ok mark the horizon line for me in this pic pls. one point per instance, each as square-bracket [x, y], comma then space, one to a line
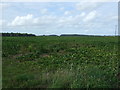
[61, 34]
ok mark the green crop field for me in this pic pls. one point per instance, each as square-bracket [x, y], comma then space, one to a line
[60, 62]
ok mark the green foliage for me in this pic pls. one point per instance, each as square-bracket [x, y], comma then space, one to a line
[60, 62]
[24, 77]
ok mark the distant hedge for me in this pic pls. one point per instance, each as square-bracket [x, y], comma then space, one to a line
[73, 35]
[17, 34]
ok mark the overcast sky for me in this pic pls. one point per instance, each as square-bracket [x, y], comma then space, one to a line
[97, 18]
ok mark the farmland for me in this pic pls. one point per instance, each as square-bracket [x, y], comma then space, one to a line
[60, 62]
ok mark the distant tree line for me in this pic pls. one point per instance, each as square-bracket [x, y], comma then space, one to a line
[17, 34]
[69, 35]
[73, 35]
[29, 35]
[77, 35]
[48, 35]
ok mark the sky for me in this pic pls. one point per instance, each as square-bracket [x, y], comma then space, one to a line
[45, 18]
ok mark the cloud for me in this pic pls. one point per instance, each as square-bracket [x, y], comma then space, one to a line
[44, 11]
[59, 0]
[51, 21]
[91, 16]
[45, 21]
[114, 17]
[22, 20]
[67, 13]
[4, 5]
[69, 20]
[82, 14]
[30, 21]
[62, 8]
[60, 17]
[2, 23]
[87, 6]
